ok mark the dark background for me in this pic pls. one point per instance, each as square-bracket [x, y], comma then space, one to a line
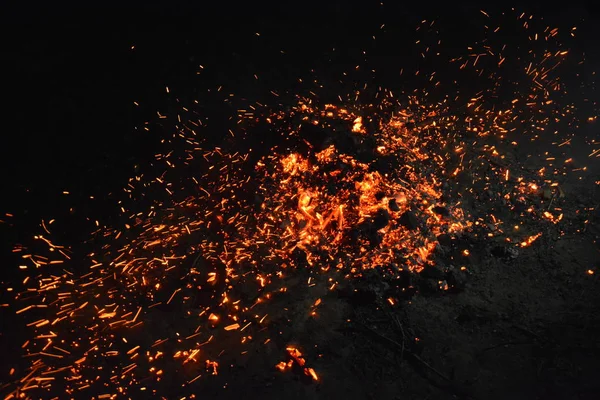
[70, 77]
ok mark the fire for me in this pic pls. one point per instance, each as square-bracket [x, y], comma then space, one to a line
[297, 358]
[217, 247]
[357, 126]
[528, 241]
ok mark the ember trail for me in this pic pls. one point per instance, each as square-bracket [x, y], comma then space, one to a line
[348, 191]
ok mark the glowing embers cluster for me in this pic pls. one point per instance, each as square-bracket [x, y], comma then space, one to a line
[330, 210]
[297, 360]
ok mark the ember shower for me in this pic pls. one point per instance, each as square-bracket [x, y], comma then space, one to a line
[348, 188]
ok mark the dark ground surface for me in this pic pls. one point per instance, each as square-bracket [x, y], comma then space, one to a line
[525, 328]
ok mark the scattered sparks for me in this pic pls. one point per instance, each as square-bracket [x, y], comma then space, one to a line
[378, 188]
